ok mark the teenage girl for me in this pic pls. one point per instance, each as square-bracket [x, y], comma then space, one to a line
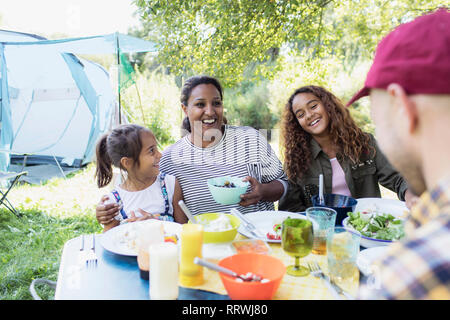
[146, 193]
[320, 137]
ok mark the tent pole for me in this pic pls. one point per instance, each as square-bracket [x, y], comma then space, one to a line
[118, 76]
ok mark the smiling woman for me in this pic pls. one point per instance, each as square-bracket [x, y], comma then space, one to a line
[320, 137]
[211, 149]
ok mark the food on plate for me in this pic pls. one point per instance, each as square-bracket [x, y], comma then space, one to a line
[255, 246]
[277, 235]
[372, 224]
[127, 238]
[222, 223]
[227, 184]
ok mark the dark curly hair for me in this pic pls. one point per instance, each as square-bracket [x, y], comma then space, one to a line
[351, 141]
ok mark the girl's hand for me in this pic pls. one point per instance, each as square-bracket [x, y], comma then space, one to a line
[145, 216]
[255, 195]
[105, 213]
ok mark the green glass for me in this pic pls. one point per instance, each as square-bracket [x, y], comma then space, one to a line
[297, 240]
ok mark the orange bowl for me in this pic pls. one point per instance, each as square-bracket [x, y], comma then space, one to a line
[263, 265]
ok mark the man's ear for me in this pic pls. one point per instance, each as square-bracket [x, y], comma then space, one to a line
[406, 105]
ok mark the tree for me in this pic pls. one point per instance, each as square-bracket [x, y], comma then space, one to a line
[226, 38]
[221, 37]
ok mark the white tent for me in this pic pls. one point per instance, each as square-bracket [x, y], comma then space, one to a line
[54, 105]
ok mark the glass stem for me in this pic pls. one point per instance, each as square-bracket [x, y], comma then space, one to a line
[297, 263]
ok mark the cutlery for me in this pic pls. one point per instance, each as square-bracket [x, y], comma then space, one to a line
[342, 291]
[317, 272]
[92, 257]
[247, 224]
[321, 199]
[82, 254]
[186, 211]
[245, 277]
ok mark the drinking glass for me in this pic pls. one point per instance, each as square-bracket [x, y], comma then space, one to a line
[297, 241]
[325, 219]
[343, 249]
[191, 274]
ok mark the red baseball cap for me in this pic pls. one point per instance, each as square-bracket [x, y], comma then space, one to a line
[415, 55]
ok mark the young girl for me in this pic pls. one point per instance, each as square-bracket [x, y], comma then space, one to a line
[146, 193]
[320, 137]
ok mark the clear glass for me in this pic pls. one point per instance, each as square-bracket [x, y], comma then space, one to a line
[297, 240]
[343, 249]
[191, 274]
[325, 219]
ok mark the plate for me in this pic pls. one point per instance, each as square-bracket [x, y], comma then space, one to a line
[367, 257]
[122, 239]
[395, 207]
[264, 221]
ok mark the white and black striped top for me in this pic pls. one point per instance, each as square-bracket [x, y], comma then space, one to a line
[241, 152]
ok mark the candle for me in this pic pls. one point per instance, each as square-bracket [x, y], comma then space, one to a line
[163, 271]
[149, 232]
[191, 274]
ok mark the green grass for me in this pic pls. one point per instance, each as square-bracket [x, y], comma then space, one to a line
[53, 213]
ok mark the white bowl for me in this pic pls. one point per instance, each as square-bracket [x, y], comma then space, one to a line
[366, 242]
[396, 208]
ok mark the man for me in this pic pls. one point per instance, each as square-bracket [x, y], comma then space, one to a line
[409, 88]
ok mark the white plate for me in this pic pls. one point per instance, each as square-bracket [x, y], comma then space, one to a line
[264, 221]
[367, 257]
[119, 239]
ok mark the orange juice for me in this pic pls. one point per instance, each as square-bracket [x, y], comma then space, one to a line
[191, 274]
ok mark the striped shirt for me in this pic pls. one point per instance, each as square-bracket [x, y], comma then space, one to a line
[419, 266]
[241, 152]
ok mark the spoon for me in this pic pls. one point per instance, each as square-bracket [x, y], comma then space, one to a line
[321, 199]
[245, 277]
[186, 211]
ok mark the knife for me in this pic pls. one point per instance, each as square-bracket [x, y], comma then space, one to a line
[247, 224]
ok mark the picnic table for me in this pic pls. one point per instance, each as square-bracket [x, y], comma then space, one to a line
[117, 277]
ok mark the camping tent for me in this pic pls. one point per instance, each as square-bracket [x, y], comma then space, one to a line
[54, 105]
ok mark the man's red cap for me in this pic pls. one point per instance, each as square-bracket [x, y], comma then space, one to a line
[416, 55]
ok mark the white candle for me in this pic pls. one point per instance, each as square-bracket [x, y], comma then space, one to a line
[163, 271]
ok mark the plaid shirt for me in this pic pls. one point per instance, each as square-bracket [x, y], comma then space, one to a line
[419, 266]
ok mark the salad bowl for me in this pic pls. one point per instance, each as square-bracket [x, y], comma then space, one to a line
[380, 221]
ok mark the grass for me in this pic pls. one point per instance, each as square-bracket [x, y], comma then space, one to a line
[31, 246]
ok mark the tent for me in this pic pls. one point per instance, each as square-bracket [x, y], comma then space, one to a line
[54, 105]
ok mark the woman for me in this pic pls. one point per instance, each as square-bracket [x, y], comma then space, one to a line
[210, 148]
[320, 137]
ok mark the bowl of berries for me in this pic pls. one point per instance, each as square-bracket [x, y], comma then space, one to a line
[227, 190]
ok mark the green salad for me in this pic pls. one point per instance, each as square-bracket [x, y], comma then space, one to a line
[381, 226]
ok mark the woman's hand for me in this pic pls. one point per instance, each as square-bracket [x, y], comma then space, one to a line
[410, 199]
[105, 212]
[271, 191]
[255, 195]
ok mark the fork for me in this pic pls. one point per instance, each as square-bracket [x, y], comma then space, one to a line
[316, 271]
[82, 254]
[92, 257]
[247, 224]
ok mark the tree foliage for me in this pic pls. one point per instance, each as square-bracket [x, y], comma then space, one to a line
[221, 37]
[225, 38]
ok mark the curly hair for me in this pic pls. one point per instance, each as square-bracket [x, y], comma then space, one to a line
[351, 141]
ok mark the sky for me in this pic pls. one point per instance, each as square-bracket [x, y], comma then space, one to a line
[72, 18]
